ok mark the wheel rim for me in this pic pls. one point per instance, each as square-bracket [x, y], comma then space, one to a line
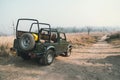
[69, 52]
[50, 58]
[26, 42]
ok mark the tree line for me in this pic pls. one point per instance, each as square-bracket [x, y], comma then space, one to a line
[87, 29]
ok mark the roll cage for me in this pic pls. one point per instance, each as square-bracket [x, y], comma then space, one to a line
[36, 22]
[25, 19]
[49, 29]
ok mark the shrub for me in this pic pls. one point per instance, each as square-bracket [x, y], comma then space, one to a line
[4, 50]
[114, 38]
[6, 42]
[115, 35]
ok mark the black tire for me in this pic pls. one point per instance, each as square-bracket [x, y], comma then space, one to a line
[68, 52]
[24, 56]
[27, 42]
[48, 58]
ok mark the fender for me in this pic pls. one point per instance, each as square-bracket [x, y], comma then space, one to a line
[70, 45]
[51, 47]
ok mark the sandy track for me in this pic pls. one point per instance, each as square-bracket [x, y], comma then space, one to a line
[98, 62]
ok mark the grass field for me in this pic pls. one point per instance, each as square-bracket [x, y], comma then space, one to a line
[80, 39]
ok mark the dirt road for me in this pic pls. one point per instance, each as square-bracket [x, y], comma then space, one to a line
[101, 61]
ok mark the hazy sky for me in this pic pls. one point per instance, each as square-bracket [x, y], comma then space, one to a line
[61, 12]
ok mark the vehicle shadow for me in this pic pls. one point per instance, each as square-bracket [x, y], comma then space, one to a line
[18, 61]
[112, 59]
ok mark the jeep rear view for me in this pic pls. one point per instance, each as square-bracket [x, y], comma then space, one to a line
[40, 41]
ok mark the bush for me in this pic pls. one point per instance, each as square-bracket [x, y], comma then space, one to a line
[4, 50]
[115, 35]
[6, 42]
[114, 38]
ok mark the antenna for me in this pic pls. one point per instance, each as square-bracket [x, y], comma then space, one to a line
[13, 26]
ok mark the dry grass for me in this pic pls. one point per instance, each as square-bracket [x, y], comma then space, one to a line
[6, 42]
[115, 42]
[80, 39]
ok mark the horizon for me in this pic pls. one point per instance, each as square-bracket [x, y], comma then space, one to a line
[74, 29]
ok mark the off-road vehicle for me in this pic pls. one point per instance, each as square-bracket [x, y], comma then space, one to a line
[40, 41]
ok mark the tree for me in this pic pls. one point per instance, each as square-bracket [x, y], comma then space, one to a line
[89, 29]
[13, 26]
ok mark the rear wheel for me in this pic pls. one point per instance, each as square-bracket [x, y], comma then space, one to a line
[48, 58]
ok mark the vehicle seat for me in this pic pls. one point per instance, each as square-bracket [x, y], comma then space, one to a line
[53, 38]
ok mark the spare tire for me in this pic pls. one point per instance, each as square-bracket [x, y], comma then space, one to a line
[27, 42]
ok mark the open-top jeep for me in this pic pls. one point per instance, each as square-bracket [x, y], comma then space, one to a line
[41, 43]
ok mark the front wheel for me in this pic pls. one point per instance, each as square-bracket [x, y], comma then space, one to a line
[68, 52]
[48, 58]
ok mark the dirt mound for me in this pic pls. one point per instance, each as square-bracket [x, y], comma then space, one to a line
[114, 38]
